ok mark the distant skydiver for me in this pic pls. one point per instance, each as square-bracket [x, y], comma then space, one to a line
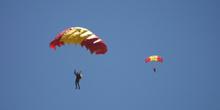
[78, 77]
[154, 58]
[154, 69]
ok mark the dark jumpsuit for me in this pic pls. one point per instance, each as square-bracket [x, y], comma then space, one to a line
[78, 77]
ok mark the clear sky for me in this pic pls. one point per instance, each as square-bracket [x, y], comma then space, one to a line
[185, 33]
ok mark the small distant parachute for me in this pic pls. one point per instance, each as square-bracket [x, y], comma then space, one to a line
[154, 58]
[82, 36]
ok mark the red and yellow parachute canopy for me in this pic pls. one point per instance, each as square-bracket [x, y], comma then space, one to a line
[82, 36]
[154, 58]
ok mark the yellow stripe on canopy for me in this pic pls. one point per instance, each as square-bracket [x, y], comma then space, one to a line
[153, 58]
[76, 35]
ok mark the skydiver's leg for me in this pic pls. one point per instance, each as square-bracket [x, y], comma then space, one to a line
[76, 84]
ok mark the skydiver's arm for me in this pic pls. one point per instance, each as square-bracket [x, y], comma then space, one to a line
[75, 71]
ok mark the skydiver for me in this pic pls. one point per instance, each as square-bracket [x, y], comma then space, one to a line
[78, 77]
[154, 69]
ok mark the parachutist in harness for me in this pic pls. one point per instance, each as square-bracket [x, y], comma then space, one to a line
[78, 77]
[154, 58]
[154, 69]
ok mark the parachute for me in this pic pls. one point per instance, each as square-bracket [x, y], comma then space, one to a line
[82, 36]
[154, 58]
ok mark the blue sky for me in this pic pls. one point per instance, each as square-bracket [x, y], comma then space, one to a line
[185, 33]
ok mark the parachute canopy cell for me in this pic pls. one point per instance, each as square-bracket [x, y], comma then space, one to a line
[82, 36]
[154, 58]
